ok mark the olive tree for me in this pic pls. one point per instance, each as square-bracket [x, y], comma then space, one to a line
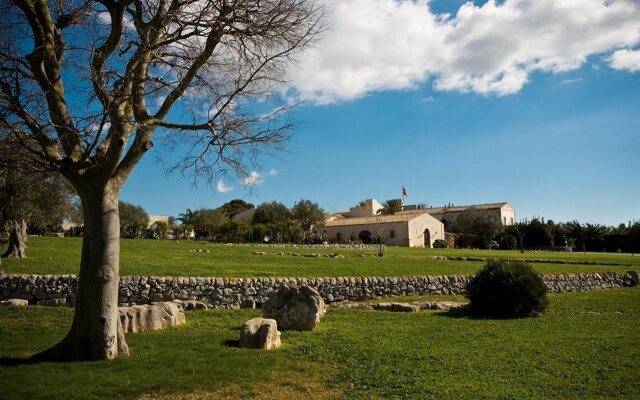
[86, 86]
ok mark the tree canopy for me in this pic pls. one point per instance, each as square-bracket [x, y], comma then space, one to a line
[271, 213]
[86, 85]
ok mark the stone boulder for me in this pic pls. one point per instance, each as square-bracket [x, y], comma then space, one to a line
[260, 333]
[151, 317]
[631, 278]
[396, 307]
[295, 308]
[15, 302]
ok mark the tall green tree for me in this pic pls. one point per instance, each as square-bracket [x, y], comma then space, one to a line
[271, 213]
[86, 95]
[133, 220]
[308, 214]
[481, 226]
[234, 207]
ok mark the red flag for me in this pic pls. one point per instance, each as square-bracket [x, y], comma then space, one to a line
[404, 192]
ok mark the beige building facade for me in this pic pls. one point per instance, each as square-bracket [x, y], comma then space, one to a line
[362, 223]
[449, 213]
[414, 226]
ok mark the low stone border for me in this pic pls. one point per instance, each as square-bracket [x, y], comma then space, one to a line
[60, 290]
[533, 260]
[330, 246]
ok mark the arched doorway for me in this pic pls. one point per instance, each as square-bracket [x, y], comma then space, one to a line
[365, 237]
[427, 239]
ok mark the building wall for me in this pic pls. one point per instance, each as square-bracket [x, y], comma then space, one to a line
[370, 208]
[157, 218]
[417, 228]
[405, 233]
[400, 232]
[506, 214]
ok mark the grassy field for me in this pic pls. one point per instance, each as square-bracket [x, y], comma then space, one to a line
[584, 347]
[173, 258]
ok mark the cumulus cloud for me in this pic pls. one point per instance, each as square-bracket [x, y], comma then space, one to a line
[252, 179]
[273, 171]
[376, 45]
[222, 188]
[625, 59]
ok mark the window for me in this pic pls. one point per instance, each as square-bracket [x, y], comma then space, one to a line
[338, 237]
[511, 220]
[504, 220]
[392, 234]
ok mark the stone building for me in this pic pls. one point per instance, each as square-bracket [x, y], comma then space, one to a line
[413, 226]
[449, 213]
[364, 223]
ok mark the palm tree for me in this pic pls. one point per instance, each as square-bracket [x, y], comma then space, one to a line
[186, 217]
[391, 207]
[576, 234]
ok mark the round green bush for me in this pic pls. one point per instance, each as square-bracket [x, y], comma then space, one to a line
[507, 289]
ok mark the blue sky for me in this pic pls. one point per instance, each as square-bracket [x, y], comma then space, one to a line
[555, 134]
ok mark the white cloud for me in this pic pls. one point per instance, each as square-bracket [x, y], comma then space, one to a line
[273, 171]
[428, 99]
[254, 178]
[570, 81]
[376, 45]
[222, 188]
[625, 59]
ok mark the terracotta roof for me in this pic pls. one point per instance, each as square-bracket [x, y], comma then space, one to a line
[378, 219]
[440, 210]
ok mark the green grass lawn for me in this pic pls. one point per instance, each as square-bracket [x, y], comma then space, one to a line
[584, 347]
[173, 258]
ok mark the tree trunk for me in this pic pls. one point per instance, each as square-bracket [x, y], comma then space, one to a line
[96, 332]
[17, 239]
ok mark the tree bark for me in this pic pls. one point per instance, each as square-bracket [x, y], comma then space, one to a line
[96, 333]
[17, 239]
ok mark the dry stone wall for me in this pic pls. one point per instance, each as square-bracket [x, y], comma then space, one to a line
[59, 290]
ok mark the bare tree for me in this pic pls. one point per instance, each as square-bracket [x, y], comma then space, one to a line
[85, 86]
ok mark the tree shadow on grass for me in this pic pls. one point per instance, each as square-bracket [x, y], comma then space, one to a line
[231, 343]
[14, 362]
[465, 313]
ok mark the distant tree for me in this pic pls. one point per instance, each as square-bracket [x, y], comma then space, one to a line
[391, 207]
[186, 217]
[517, 230]
[481, 226]
[158, 230]
[308, 214]
[576, 234]
[27, 198]
[206, 222]
[234, 207]
[594, 236]
[271, 213]
[133, 220]
[361, 203]
[537, 233]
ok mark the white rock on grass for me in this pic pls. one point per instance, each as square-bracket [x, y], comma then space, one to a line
[295, 308]
[15, 302]
[151, 317]
[260, 333]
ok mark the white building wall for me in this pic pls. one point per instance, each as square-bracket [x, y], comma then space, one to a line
[417, 227]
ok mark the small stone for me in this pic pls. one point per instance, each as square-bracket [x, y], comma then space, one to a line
[260, 333]
[15, 302]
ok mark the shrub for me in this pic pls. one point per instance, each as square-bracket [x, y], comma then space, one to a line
[507, 289]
